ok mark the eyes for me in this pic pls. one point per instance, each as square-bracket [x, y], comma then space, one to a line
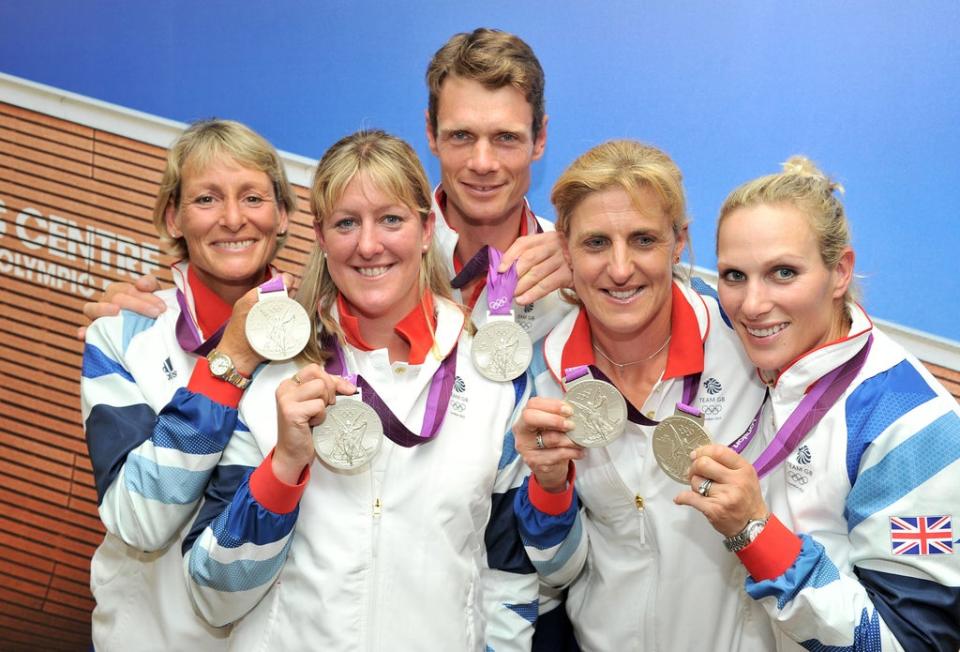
[349, 222]
[249, 200]
[461, 136]
[782, 274]
[601, 242]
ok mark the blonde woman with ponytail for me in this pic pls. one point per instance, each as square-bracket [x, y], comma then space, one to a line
[847, 520]
[401, 541]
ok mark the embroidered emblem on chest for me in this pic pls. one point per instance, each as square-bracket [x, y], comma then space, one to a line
[459, 399]
[798, 471]
[713, 400]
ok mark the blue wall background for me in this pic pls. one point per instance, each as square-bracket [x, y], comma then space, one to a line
[870, 90]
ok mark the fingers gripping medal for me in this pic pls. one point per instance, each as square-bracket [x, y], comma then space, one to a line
[501, 348]
[350, 435]
[277, 327]
[599, 409]
[676, 437]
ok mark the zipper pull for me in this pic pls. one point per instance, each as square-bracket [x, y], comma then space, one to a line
[638, 501]
[376, 507]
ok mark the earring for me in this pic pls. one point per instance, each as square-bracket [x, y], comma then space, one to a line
[676, 260]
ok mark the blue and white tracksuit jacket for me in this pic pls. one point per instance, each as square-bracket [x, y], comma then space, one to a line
[874, 493]
[644, 573]
[153, 444]
[416, 551]
[537, 318]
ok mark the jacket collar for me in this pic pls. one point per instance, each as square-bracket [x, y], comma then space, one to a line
[417, 328]
[570, 344]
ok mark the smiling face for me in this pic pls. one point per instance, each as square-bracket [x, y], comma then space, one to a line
[783, 300]
[622, 252]
[485, 144]
[229, 219]
[374, 245]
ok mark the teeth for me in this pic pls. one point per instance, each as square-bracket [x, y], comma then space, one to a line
[766, 332]
[238, 244]
[373, 271]
[622, 294]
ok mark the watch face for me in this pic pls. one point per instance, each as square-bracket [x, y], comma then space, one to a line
[220, 365]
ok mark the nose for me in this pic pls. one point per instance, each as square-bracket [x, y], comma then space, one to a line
[369, 244]
[620, 266]
[483, 158]
[233, 216]
[756, 299]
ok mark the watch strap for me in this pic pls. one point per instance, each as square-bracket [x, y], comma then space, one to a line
[745, 537]
[231, 375]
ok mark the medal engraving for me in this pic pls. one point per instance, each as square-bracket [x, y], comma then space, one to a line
[501, 350]
[277, 329]
[349, 436]
[599, 412]
[673, 440]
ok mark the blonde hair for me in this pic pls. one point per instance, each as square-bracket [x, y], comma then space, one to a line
[627, 165]
[492, 58]
[204, 142]
[804, 186]
[392, 165]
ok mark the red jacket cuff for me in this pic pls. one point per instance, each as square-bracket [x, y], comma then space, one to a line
[550, 503]
[274, 494]
[219, 391]
[772, 553]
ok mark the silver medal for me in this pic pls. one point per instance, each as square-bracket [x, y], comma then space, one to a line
[501, 350]
[674, 439]
[277, 327]
[350, 435]
[599, 412]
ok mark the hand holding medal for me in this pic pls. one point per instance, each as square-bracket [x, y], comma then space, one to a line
[303, 401]
[541, 439]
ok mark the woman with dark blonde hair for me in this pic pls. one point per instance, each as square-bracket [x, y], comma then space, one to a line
[159, 399]
[623, 385]
[844, 521]
[401, 534]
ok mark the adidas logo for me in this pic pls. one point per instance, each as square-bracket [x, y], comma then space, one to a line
[169, 370]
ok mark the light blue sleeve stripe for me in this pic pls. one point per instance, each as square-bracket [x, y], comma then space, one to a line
[167, 484]
[240, 575]
[509, 451]
[133, 324]
[904, 469]
[878, 402]
[564, 552]
[96, 363]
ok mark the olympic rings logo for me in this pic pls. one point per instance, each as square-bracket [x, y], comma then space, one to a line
[498, 303]
[798, 478]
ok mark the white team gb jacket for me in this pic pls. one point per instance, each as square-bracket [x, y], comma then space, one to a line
[874, 493]
[153, 445]
[643, 573]
[416, 551]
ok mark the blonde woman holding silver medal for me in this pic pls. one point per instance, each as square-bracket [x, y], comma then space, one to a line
[597, 515]
[158, 400]
[327, 534]
[850, 533]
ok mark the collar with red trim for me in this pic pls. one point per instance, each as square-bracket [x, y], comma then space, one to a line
[212, 312]
[528, 221]
[417, 328]
[684, 357]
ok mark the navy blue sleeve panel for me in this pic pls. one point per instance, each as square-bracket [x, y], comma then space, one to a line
[504, 548]
[542, 530]
[923, 615]
[112, 432]
[223, 485]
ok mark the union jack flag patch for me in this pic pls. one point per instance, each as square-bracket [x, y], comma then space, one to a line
[921, 535]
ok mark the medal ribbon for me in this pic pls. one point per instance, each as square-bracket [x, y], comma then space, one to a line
[500, 287]
[690, 383]
[188, 333]
[807, 415]
[438, 397]
[475, 266]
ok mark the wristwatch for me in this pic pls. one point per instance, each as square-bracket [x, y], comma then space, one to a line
[745, 537]
[221, 366]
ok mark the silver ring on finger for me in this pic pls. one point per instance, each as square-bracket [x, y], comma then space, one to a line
[540, 443]
[704, 487]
